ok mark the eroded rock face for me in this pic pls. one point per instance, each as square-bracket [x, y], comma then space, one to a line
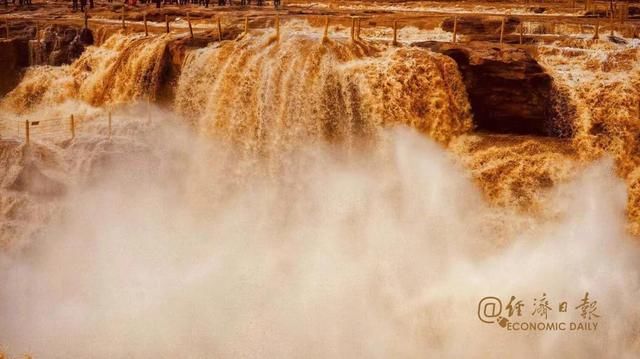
[508, 90]
[62, 44]
[57, 45]
[14, 56]
[480, 25]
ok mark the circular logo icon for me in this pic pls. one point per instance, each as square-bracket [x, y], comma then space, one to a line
[489, 308]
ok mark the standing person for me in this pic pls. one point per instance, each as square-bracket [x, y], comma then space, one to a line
[75, 5]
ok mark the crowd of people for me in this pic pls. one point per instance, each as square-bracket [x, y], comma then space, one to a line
[83, 3]
[205, 3]
[20, 2]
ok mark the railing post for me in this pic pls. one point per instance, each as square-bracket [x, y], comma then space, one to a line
[395, 32]
[27, 133]
[124, 9]
[502, 30]
[455, 29]
[246, 24]
[219, 30]
[86, 17]
[73, 127]
[358, 29]
[325, 36]
[166, 21]
[6, 26]
[521, 31]
[353, 29]
[144, 18]
[189, 22]
[612, 20]
[278, 27]
[596, 35]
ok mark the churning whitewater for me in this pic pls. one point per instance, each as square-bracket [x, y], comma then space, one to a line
[305, 198]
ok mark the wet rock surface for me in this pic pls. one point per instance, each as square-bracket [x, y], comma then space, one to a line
[480, 25]
[29, 45]
[58, 44]
[62, 44]
[14, 56]
[508, 90]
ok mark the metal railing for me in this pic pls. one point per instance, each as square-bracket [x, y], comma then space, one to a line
[615, 20]
[56, 129]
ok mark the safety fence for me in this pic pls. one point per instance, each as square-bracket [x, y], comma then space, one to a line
[604, 18]
[529, 26]
[61, 129]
